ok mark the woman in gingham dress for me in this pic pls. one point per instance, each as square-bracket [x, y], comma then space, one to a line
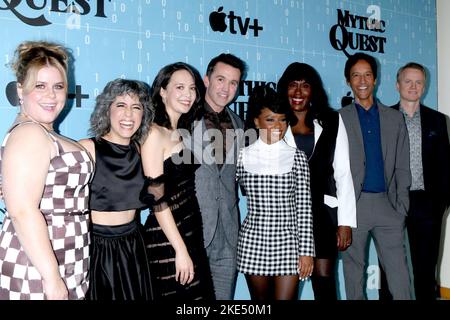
[44, 241]
[276, 246]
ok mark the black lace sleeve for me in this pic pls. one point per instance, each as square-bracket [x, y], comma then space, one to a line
[153, 193]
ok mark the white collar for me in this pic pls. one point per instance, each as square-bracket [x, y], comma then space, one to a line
[263, 158]
[260, 144]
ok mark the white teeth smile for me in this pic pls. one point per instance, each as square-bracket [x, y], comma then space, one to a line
[127, 124]
[48, 106]
[297, 100]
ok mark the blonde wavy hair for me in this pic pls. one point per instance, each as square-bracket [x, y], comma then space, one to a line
[31, 56]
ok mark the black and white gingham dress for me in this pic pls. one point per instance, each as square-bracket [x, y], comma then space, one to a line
[64, 205]
[278, 226]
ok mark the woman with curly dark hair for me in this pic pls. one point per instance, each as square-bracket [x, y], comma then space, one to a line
[118, 268]
[321, 134]
[173, 230]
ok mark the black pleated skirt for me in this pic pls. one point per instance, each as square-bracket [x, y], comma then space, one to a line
[118, 264]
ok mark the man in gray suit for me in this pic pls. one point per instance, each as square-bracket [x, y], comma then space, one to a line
[379, 161]
[217, 138]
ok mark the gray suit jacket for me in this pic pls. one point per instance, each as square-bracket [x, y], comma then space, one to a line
[216, 189]
[395, 147]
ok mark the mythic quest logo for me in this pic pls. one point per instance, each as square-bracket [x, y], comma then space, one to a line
[341, 38]
[245, 91]
[80, 7]
[217, 21]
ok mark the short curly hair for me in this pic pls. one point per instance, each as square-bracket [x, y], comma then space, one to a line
[265, 97]
[353, 59]
[100, 118]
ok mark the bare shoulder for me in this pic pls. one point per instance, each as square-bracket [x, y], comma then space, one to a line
[89, 145]
[157, 135]
[159, 130]
[152, 151]
[28, 141]
[29, 135]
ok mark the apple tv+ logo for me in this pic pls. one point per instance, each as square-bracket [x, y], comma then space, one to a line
[217, 21]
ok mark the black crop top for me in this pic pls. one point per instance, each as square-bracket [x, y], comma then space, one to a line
[118, 178]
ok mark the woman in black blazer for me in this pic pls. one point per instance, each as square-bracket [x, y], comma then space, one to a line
[321, 134]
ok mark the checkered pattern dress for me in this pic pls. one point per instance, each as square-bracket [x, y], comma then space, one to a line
[64, 206]
[278, 226]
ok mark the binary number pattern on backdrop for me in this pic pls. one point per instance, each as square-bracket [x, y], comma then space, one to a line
[134, 39]
[138, 37]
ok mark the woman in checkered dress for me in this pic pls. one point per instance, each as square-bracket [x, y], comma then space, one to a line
[44, 241]
[276, 245]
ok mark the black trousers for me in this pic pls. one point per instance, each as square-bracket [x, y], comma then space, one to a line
[424, 232]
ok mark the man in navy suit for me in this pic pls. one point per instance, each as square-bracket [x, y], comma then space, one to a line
[430, 188]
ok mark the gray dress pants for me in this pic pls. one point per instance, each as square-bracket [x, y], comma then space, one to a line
[377, 217]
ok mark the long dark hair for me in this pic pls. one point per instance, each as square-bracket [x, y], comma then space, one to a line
[320, 107]
[161, 80]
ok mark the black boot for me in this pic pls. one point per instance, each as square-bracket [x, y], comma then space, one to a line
[324, 288]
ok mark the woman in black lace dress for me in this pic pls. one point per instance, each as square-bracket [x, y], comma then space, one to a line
[173, 230]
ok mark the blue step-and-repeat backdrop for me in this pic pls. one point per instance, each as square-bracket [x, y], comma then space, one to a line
[135, 38]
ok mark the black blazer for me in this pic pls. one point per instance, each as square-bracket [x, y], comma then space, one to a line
[321, 170]
[435, 156]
